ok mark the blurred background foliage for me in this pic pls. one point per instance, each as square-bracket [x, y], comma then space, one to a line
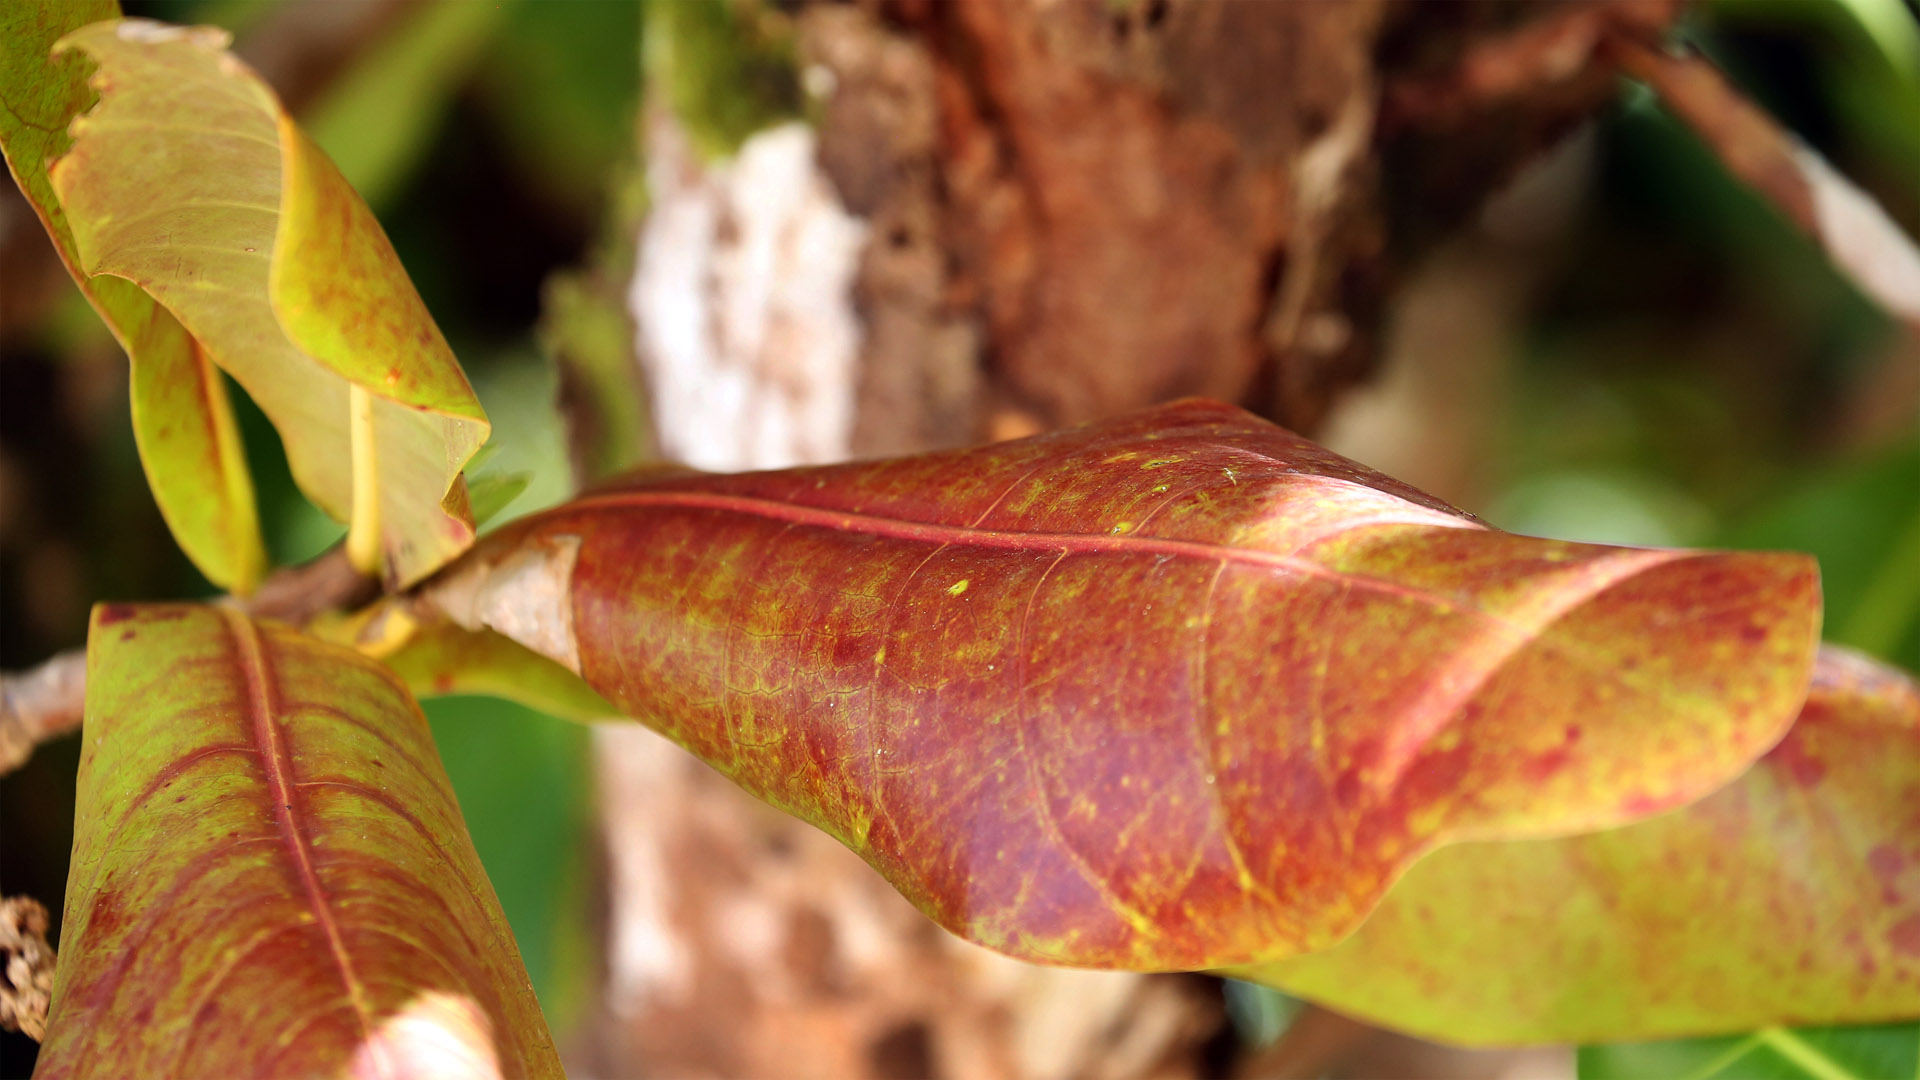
[1665, 361]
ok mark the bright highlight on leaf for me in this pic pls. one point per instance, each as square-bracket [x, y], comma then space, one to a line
[1792, 896]
[1214, 737]
[270, 874]
[189, 179]
[182, 421]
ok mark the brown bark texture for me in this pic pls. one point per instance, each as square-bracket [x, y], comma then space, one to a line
[1081, 208]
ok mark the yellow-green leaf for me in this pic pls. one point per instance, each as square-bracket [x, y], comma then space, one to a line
[1792, 896]
[270, 874]
[189, 179]
[182, 420]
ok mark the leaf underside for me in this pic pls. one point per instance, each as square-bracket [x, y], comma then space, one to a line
[182, 420]
[270, 874]
[1790, 896]
[189, 180]
[1175, 691]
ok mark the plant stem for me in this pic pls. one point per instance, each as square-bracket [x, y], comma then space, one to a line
[48, 701]
[363, 529]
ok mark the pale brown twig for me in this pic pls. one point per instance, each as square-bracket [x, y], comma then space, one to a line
[1550, 50]
[48, 701]
[1856, 234]
[40, 704]
[1578, 42]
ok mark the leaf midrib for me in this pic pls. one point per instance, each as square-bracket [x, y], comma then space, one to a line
[262, 716]
[892, 528]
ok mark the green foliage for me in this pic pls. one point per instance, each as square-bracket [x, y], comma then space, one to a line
[283, 278]
[1885, 1052]
[374, 123]
[585, 329]
[1862, 521]
[726, 69]
[563, 82]
[182, 419]
[523, 786]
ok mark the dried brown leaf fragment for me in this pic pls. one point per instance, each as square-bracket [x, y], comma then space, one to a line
[27, 988]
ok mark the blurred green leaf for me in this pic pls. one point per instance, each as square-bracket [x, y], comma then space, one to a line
[584, 329]
[520, 395]
[1882, 1052]
[562, 83]
[1862, 521]
[727, 69]
[522, 782]
[1601, 508]
[375, 121]
[1259, 1014]
[488, 493]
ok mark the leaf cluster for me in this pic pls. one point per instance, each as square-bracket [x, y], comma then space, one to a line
[1178, 691]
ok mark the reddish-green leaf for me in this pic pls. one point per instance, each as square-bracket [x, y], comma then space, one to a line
[270, 875]
[189, 179]
[1790, 896]
[1179, 690]
[182, 421]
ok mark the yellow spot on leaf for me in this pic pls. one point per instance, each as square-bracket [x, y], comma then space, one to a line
[957, 587]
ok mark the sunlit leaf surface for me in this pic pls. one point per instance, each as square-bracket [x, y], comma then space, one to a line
[1790, 896]
[270, 875]
[189, 180]
[182, 420]
[1179, 690]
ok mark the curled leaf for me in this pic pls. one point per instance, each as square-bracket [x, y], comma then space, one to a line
[1792, 896]
[270, 874]
[190, 180]
[1174, 691]
[182, 420]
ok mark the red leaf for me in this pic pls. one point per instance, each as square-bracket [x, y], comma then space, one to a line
[1174, 691]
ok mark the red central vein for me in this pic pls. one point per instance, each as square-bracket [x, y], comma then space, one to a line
[274, 759]
[1070, 543]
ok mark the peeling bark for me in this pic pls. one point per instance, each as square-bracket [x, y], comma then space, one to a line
[740, 299]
